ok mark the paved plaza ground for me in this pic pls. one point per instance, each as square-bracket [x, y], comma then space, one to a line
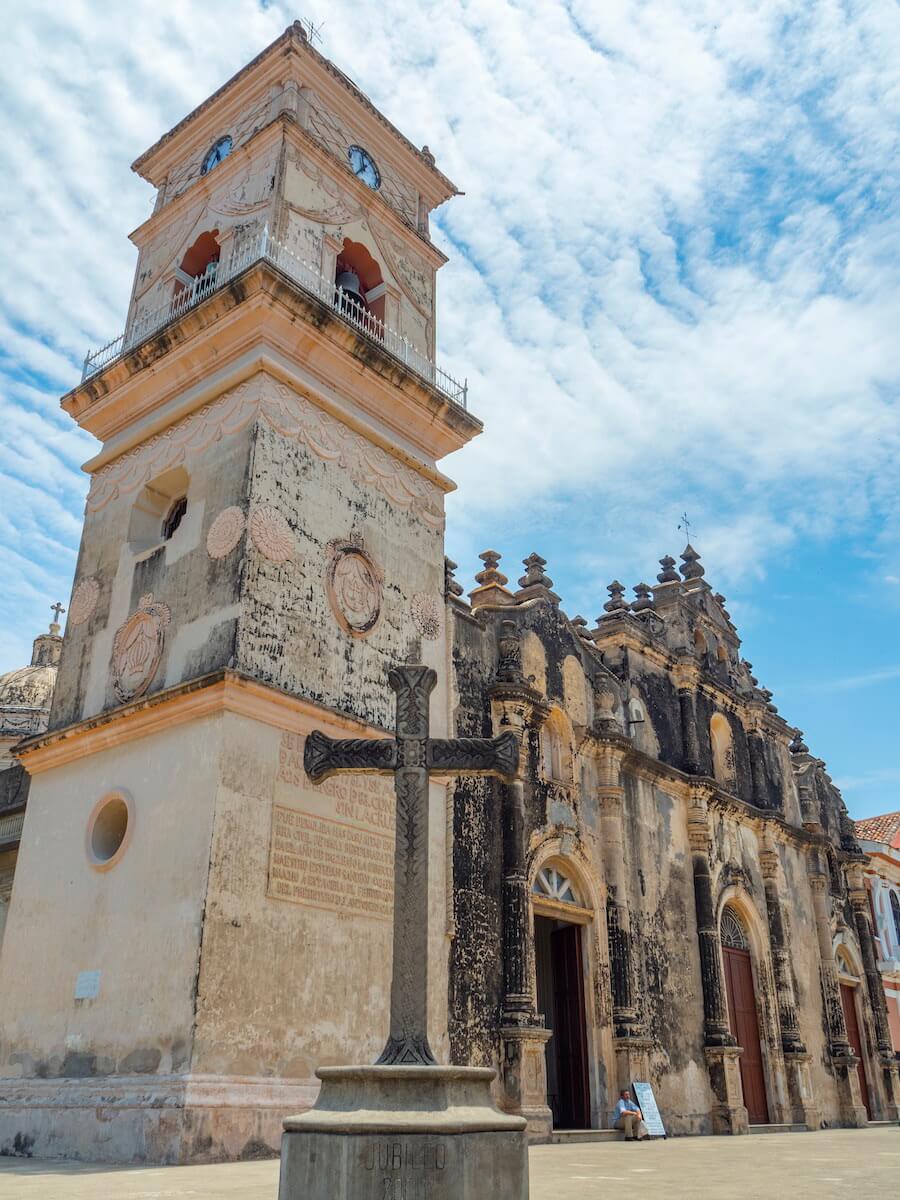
[793, 1166]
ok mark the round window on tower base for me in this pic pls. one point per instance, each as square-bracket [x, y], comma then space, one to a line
[109, 830]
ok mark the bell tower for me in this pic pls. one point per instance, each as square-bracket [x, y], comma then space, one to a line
[263, 537]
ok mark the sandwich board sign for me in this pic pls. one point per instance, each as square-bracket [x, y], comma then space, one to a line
[646, 1102]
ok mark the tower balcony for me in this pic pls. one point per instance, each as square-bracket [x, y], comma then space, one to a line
[259, 248]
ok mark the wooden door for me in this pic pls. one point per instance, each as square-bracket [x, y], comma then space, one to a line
[569, 1029]
[848, 1001]
[745, 1027]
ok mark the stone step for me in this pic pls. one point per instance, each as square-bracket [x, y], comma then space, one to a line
[565, 1137]
[778, 1129]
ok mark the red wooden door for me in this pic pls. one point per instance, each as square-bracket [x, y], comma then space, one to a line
[745, 1027]
[569, 1029]
[848, 1000]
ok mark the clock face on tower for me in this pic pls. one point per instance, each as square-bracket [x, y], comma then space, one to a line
[363, 167]
[216, 153]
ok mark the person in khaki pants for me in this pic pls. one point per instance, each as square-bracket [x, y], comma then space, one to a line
[628, 1116]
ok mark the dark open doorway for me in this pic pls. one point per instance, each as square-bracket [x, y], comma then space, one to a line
[559, 968]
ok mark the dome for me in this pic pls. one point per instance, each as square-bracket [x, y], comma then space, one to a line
[27, 692]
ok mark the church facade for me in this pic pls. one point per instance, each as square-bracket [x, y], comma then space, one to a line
[669, 891]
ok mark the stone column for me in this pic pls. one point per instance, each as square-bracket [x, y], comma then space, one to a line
[804, 1109]
[685, 676]
[843, 1060]
[631, 1046]
[520, 708]
[862, 919]
[722, 1053]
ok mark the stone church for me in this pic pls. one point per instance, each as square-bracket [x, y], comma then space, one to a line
[669, 891]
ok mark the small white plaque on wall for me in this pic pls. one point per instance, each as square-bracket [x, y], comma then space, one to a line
[87, 985]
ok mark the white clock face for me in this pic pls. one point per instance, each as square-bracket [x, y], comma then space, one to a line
[363, 167]
[215, 154]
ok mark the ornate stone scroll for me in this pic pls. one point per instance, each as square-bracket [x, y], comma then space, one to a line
[138, 647]
[410, 759]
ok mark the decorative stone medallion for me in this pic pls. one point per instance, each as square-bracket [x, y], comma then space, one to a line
[271, 534]
[426, 615]
[84, 601]
[225, 532]
[138, 646]
[353, 583]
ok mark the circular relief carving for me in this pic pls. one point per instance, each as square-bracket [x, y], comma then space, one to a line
[84, 601]
[271, 533]
[138, 647]
[426, 615]
[354, 586]
[225, 532]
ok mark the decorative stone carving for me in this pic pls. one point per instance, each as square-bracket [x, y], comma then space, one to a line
[426, 615]
[271, 534]
[353, 583]
[138, 647]
[84, 601]
[225, 532]
[293, 416]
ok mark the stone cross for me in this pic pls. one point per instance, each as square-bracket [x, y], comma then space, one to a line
[410, 757]
[57, 608]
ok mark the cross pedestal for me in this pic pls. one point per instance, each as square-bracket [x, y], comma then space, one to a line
[407, 1128]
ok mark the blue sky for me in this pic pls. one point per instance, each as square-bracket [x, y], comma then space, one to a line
[673, 283]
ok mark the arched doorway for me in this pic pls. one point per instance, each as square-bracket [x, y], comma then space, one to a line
[743, 1014]
[559, 954]
[848, 981]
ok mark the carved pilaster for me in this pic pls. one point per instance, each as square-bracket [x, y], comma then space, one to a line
[729, 1114]
[804, 1109]
[890, 1073]
[757, 768]
[523, 1074]
[831, 996]
[685, 680]
[717, 1031]
[609, 749]
[788, 1021]
[863, 921]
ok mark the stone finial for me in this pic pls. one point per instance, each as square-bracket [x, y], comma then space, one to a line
[748, 667]
[720, 600]
[668, 574]
[644, 597]
[767, 697]
[491, 583]
[581, 628]
[691, 568]
[535, 573]
[797, 744]
[616, 602]
[490, 573]
[535, 582]
[428, 156]
[509, 665]
[451, 587]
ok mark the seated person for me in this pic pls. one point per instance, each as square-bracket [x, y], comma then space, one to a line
[629, 1117]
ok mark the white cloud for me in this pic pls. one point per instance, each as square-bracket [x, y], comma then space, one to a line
[673, 279]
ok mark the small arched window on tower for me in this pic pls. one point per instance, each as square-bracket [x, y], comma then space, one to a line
[173, 517]
[556, 750]
[700, 643]
[359, 288]
[724, 767]
[196, 277]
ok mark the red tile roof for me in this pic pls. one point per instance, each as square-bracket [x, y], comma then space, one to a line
[879, 829]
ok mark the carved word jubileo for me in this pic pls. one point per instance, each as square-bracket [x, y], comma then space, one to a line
[411, 758]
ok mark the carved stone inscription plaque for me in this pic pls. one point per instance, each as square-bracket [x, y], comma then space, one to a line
[405, 1170]
[330, 864]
